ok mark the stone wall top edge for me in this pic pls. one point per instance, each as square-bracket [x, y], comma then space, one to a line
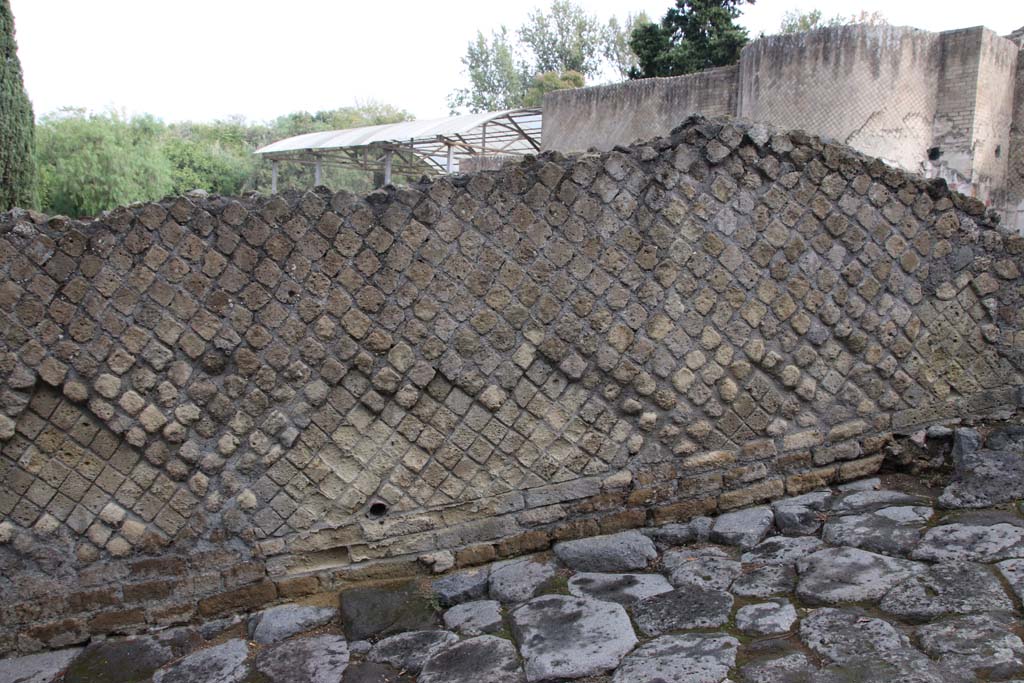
[411, 195]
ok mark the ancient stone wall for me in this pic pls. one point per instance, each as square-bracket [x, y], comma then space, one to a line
[210, 404]
[604, 116]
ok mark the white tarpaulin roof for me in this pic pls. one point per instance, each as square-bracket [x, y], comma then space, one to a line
[510, 132]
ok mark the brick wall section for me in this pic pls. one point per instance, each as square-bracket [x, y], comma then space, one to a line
[993, 114]
[206, 401]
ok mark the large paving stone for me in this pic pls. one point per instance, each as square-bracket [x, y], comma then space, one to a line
[485, 659]
[386, 609]
[1009, 438]
[568, 637]
[624, 589]
[708, 570]
[744, 528]
[842, 634]
[688, 658]
[407, 651]
[686, 607]
[958, 588]
[462, 586]
[782, 550]
[518, 580]
[905, 666]
[1013, 573]
[313, 659]
[980, 643]
[889, 530]
[675, 534]
[44, 667]
[766, 618]
[612, 553]
[801, 515]
[474, 618]
[837, 575]
[790, 668]
[971, 543]
[765, 581]
[371, 672]
[224, 663]
[985, 478]
[284, 621]
[128, 660]
[859, 502]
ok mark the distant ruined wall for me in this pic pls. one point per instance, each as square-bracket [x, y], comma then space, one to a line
[873, 88]
[604, 116]
[212, 404]
[941, 104]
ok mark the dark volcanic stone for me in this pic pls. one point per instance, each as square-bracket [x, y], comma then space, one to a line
[485, 659]
[384, 610]
[316, 659]
[684, 608]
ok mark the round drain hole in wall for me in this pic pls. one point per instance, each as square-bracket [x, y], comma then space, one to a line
[377, 510]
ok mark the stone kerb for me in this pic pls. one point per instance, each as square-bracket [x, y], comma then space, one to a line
[269, 397]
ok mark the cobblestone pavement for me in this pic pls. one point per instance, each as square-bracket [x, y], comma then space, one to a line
[879, 580]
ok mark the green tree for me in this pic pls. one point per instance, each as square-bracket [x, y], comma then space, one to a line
[617, 49]
[547, 53]
[693, 35]
[496, 81]
[90, 163]
[17, 168]
[796, 21]
[549, 82]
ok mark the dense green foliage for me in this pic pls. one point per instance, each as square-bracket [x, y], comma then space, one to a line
[693, 35]
[17, 173]
[557, 49]
[92, 162]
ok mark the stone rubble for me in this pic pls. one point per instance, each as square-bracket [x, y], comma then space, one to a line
[743, 604]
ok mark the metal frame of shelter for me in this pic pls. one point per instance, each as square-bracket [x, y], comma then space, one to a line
[412, 147]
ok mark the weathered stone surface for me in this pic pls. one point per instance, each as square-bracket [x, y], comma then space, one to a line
[782, 550]
[790, 668]
[684, 608]
[462, 586]
[284, 621]
[407, 651]
[1013, 573]
[314, 659]
[371, 672]
[801, 515]
[224, 663]
[612, 553]
[1008, 438]
[889, 530]
[701, 567]
[570, 637]
[688, 658]
[906, 666]
[744, 528]
[518, 580]
[856, 502]
[385, 610]
[970, 543]
[132, 660]
[956, 588]
[624, 589]
[38, 668]
[985, 478]
[474, 618]
[764, 582]
[766, 618]
[842, 634]
[484, 659]
[850, 575]
[980, 643]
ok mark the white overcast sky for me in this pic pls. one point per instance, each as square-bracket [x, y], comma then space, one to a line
[209, 59]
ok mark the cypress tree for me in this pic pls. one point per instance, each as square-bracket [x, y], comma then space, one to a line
[17, 124]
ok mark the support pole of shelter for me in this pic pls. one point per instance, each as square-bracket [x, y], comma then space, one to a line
[318, 172]
[273, 177]
[448, 162]
[387, 167]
